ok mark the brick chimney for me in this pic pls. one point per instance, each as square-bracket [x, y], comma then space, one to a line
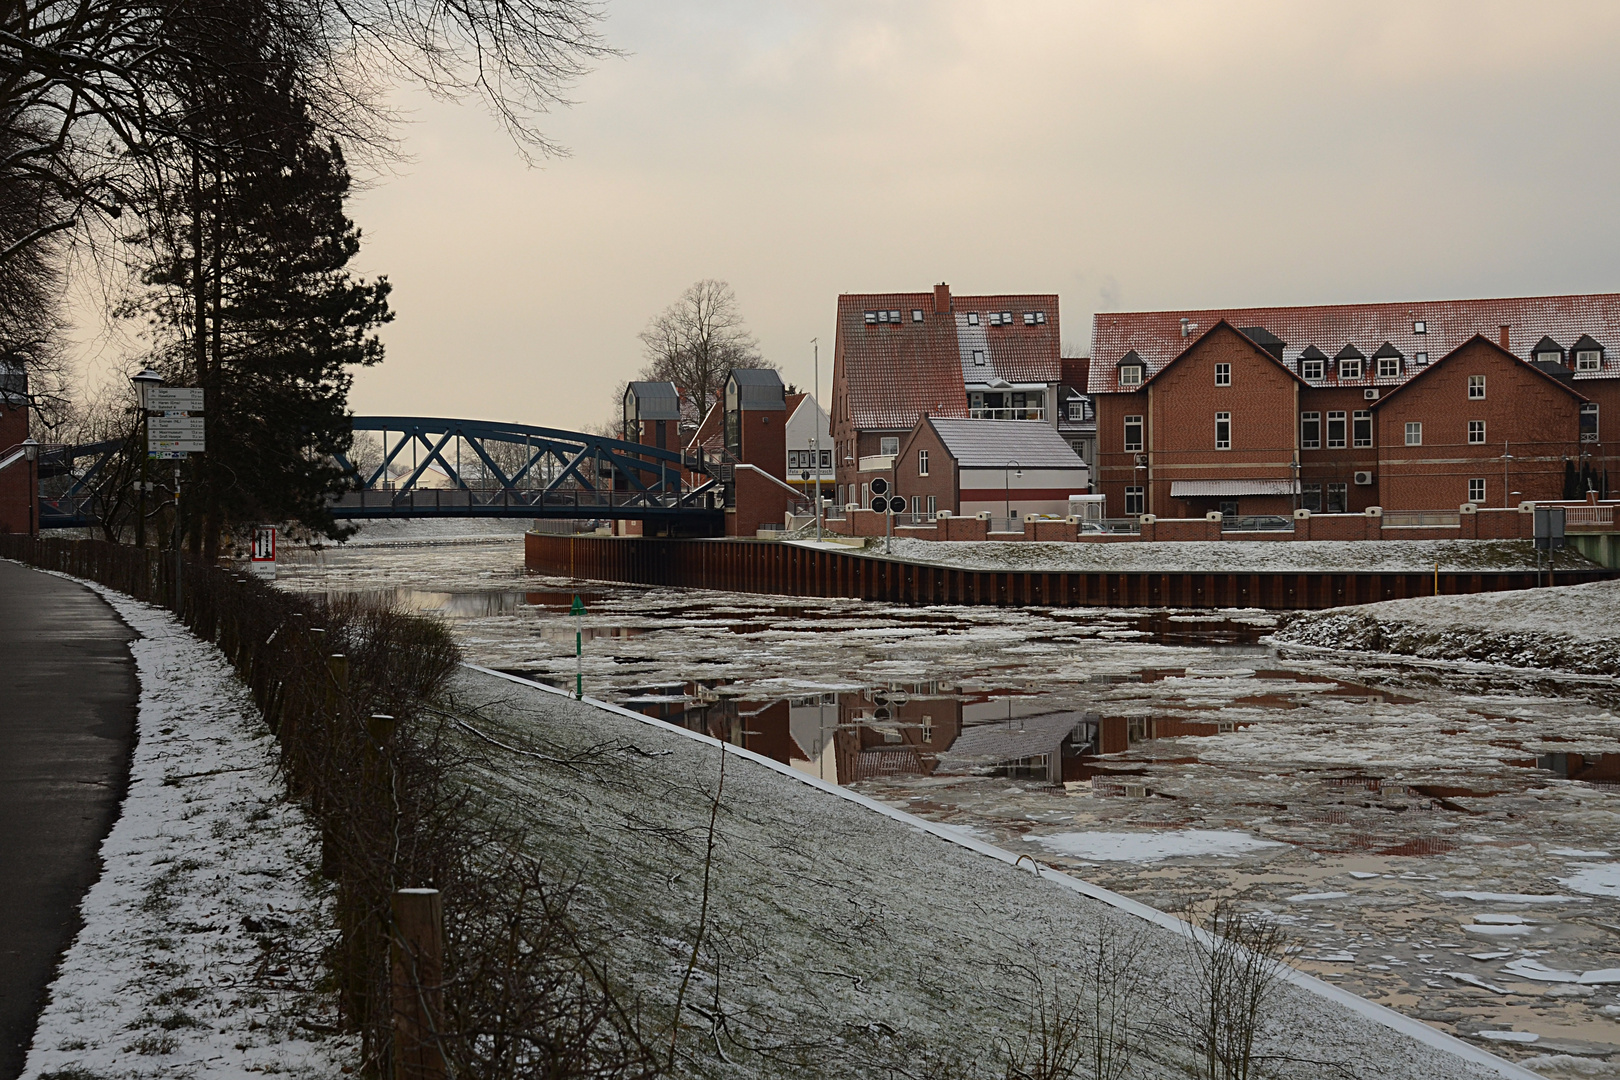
[942, 298]
[1503, 340]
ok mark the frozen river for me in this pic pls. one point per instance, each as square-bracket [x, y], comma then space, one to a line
[1442, 839]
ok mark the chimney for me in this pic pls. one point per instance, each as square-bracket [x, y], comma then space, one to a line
[942, 298]
[1503, 340]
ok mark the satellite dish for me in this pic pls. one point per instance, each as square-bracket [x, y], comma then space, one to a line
[880, 486]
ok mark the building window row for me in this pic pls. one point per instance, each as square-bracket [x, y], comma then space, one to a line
[806, 459]
[1359, 431]
[1318, 498]
[886, 317]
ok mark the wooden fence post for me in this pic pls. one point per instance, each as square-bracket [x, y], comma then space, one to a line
[418, 967]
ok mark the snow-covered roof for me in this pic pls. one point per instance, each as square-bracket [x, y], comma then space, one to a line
[1419, 331]
[983, 444]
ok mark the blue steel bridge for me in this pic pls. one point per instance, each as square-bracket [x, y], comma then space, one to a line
[438, 467]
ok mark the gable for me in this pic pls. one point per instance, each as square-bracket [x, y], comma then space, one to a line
[1479, 346]
[1224, 331]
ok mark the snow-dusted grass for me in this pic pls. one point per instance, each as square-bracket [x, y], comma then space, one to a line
[1236, 556]
[843, 938]
[202, 937]
[1569, 628]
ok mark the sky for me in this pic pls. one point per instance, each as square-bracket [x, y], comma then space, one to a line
[1154, 154]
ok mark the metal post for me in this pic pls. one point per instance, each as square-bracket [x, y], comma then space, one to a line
[179, 585]
[815, 433]
[578, 611]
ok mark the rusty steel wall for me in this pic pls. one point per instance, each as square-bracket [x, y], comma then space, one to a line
[765, 566]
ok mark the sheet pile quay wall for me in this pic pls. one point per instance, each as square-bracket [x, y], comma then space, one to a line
[764, 566]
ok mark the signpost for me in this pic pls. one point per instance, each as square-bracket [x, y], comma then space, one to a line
[1549, 534]
[262, 560]
[888, 508]
[578, 612]
[174, 432]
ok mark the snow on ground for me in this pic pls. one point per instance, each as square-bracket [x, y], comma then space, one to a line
[1236, 556]
[1570, 628]
[844, 938]
[204, 932]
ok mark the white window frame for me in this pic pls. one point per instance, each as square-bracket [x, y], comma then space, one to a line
[1476, 388]
[1306, 443]
[1130, 375]
[1349, 369]
[1549, 357]
[1357, 418]
[1590, 408]
[1141, 434]
[973, 318]
[1476, 490]
[1344, 435]
[1389, 367]
[933, 501]
[1223, 431]
[922, 463]
[1134, 491]
[888, 445]
[1476, 433]
[978, 358]
[1414, 433]
[1223, 374]
[1312, 370]
[1588, 360]
[1077, 411]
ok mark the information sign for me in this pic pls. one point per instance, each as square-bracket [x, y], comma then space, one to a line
[174, 399]
[262, 557]
[168, 436]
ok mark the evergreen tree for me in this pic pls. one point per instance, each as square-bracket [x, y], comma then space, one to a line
[250, 249]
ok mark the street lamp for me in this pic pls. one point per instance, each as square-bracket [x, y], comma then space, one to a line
[144, 381]
[1006, 477]
[30, 450]
[1507, 459]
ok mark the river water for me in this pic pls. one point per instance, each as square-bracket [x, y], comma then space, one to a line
[1444, 839]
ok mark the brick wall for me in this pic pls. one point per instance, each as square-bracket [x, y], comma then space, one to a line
[18, 502]
[1115, 465]
[962, 528]
[1339, 464]
[942, 479]
[1535, 417]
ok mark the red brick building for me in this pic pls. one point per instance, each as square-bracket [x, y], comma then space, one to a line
[19, 501]
[1326, 453]
[1000, 467]
[899, 356]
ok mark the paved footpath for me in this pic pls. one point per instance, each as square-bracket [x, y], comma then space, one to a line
[67, 717]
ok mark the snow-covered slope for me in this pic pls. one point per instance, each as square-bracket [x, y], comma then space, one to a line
[1570, 628]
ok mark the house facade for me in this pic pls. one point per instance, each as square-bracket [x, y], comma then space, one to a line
[1164, 448]
[1006, 468]
[899, 356]
[809, 446]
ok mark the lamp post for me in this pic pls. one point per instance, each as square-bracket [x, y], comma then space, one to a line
[1507, 459]
[1006, 478]
[815, 433]
[30, 450]
[144, 381]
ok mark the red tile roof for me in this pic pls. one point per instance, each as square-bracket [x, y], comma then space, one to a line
[895, 372]
[1560, 383]
[1156, 335]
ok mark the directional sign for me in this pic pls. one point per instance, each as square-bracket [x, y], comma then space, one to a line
[262, 554]
[174, 399]
[879, 486]
[167, 435]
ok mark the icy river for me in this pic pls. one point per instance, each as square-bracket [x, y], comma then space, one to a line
[1444, 839]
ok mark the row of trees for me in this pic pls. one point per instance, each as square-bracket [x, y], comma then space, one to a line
[195, 154]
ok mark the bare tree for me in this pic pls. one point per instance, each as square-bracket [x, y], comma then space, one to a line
[696, 340]
[1236, 962]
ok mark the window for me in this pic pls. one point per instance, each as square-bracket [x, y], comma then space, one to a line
[871, 317]
[795, 460]
[1006, 318]
[1414, 433]
[1550, 357]
[1133, 501]
[1223, 374]
[1361, 430]
[1389, 367]
[1029, 318]
[932, 502]
[916, 506]
[1476, 431]
[1310, 497]
[1476, 491]
[866, 496]
[1077, 410]
[840, 494]
[1420, 327]
[1350, 369]
[1229, 508]
[1133, 433]
[995, 318]
[1589, 422]
[894, 317]
[922, 463]
[826, 459]
[1310, 370]
[889, 445]
[1476, 388]
[1130, 375]
[973, 318]
[916, 314]
[1335, 430]
[1310, 431]
[1337, 498]
[1420, 358]
[978, 357]
[1223, 431]
[1588, 360]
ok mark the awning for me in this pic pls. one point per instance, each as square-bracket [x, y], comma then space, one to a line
[1193, 489]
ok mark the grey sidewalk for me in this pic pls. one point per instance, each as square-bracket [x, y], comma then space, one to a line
[67, 716]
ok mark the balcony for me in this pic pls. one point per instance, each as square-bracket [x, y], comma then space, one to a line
[877, 462]
[1008, 414]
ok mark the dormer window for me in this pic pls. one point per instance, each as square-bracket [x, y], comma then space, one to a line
[1548, 351]
[1387, 361]
[1310, 370]
[1588, 360]
[1351, 362]
[1130, 375]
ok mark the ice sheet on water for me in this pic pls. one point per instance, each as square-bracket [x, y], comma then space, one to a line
[1536, 971]
[1511, 898]
[1301, 897]
[1153, 846]
[1577, 853]
[1595, 879]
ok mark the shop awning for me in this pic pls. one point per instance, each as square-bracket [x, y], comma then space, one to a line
[1196, 489]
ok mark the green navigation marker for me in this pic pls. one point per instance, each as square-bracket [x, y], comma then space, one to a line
[578, 612]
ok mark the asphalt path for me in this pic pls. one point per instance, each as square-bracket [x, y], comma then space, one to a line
[67, 723]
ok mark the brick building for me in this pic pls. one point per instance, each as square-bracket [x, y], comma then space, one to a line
[899, 356]
[19, 501]
[1001, 467]
[1163, 447]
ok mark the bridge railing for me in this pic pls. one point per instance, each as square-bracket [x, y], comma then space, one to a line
[518, 501]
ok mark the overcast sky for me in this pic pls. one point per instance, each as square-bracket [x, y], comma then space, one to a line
[1127, 156]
